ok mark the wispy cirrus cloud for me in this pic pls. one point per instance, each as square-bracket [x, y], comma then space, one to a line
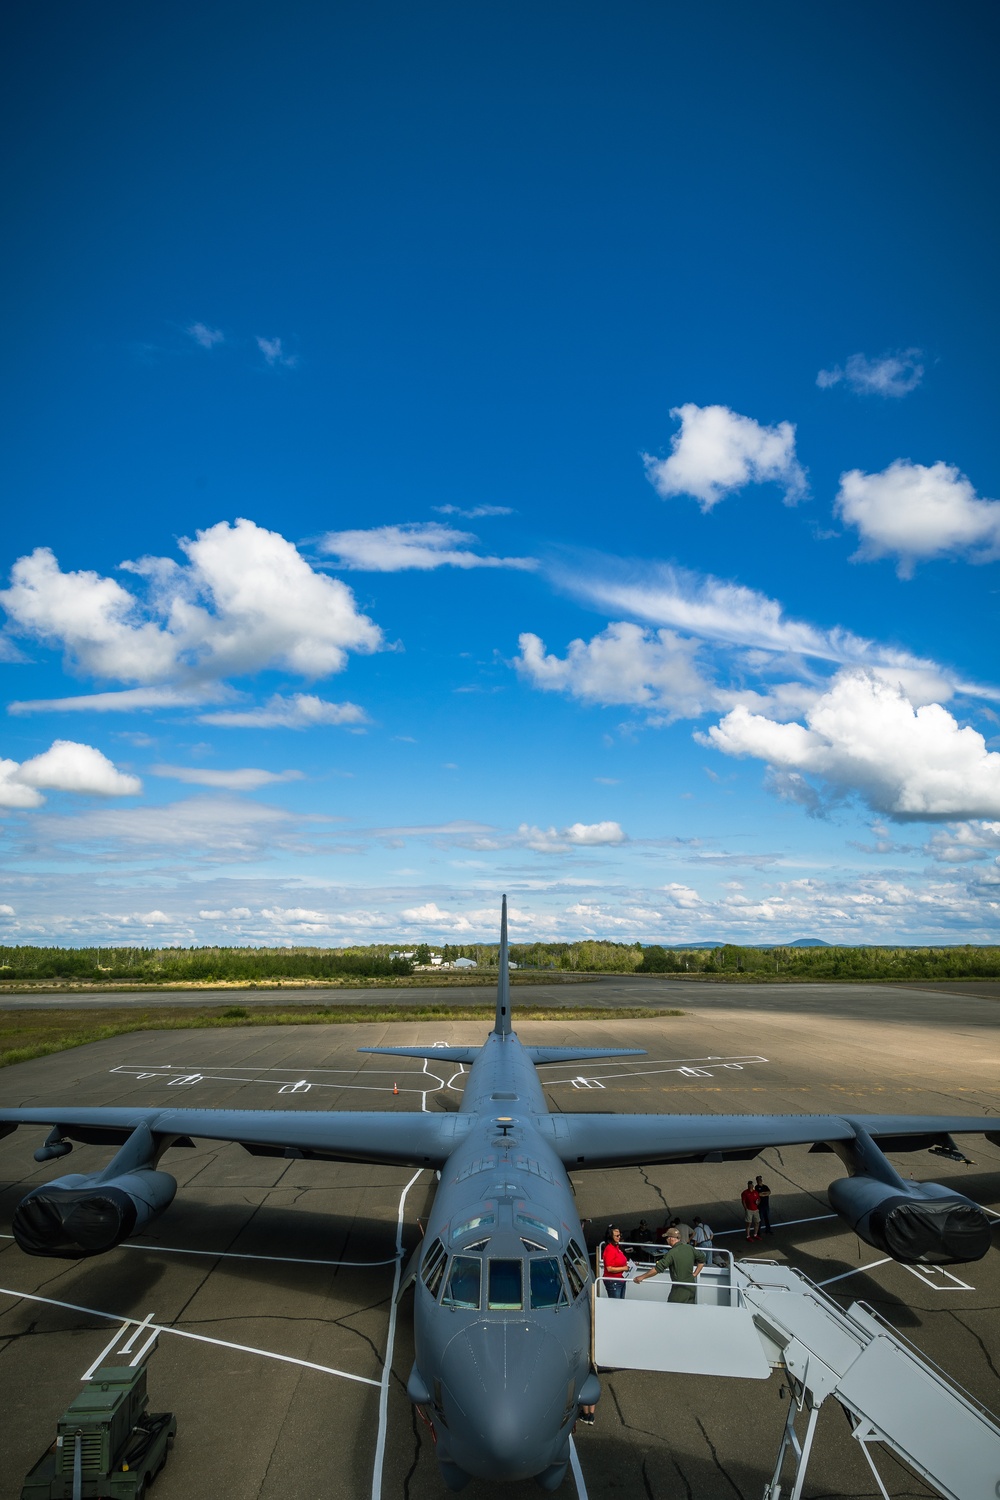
[296, 711]
[238, 779]
[475, 513]
[892, 374]
[718, 451]
[205, 337]
[416, 545]
[275, 356]
[730, 614]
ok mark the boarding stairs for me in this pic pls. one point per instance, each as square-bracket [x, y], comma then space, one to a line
[753, 1317]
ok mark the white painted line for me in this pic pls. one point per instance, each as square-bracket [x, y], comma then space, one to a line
[126, 1348]
[184, 1333]
[856, 1272]
[784, 1224]
[926, 1274]
[383, 1400]
[290, 1260]
[574, 1463]
[144, 1349]
[107, 1350]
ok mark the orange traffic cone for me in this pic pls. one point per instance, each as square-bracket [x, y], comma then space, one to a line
[395, 1090]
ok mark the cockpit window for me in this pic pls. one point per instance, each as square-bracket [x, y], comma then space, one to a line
[505, 1287]
[547, 1288]
[579, 1258]
[464, 1282]
[478, 1221]
[433, 1268]
[537, 1224]
[576, 1282]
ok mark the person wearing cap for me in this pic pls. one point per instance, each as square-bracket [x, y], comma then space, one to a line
[684, 1262]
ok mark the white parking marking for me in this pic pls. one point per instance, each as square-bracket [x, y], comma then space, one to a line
[291, 1260]
[574, 1463]
[929, 1274]
[383, 1400]
[184, 1333]
[857, 1271]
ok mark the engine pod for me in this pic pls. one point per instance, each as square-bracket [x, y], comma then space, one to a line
[72, 1223]
[941, 1231]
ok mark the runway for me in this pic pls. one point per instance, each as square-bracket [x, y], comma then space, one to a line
[273, 1280]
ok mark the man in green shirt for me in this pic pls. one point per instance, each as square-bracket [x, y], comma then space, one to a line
[684, 1262]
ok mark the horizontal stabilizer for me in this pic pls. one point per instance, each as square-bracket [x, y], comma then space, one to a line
[446, 1054]
[580, 1054]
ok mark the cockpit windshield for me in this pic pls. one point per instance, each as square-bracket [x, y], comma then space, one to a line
[464, 1283]
[505, 1286]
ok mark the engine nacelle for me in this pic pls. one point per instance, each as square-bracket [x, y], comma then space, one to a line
[82, 1215]
[927, 1225]
[918, 1223]
[77, 1216]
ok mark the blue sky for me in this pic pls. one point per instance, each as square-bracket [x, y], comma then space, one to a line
[498, 448]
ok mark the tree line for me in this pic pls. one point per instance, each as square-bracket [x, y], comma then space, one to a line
[383, 961]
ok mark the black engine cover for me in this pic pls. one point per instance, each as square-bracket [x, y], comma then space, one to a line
[72, 1223]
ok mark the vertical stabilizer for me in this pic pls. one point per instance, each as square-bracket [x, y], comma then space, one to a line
[502, 1024]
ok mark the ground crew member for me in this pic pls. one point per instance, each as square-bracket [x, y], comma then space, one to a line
[683, 1262]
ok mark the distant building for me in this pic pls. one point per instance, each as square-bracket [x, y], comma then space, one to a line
[436, 959]
[465, 963]
[397, 953]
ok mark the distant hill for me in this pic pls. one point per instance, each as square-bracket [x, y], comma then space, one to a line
[798, 943]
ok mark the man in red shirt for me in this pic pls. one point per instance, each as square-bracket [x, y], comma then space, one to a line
[751, 1211]
[614, 1265]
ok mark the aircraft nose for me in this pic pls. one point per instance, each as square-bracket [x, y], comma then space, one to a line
[510, 1384]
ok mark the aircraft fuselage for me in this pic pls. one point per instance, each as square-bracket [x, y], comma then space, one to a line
[502, 1311]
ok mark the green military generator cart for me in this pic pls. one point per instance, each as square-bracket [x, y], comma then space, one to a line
[108, 1447]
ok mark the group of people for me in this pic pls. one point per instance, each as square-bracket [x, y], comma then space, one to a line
[688, 1247]
[756, 1200]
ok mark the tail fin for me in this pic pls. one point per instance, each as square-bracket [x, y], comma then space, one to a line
[502, 1025]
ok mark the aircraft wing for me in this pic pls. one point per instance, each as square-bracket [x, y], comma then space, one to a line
[391, 1138]
[586, 1140]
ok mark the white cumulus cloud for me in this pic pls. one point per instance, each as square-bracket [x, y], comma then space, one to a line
[246, 600]
[418, 544]
[577, 835]
[623, 664]
[299, 711]
[718, 451]
[864, 736]
[914, 512]
[893, 374]
[65, 767]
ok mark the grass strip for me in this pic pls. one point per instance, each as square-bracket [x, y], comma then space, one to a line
[28, 1034]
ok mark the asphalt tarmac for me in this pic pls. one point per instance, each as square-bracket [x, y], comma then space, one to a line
[274, 1278]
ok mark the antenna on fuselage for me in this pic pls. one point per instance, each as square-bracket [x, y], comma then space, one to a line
[502, 1023]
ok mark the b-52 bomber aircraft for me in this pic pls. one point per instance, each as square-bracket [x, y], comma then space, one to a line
[502, 1311]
